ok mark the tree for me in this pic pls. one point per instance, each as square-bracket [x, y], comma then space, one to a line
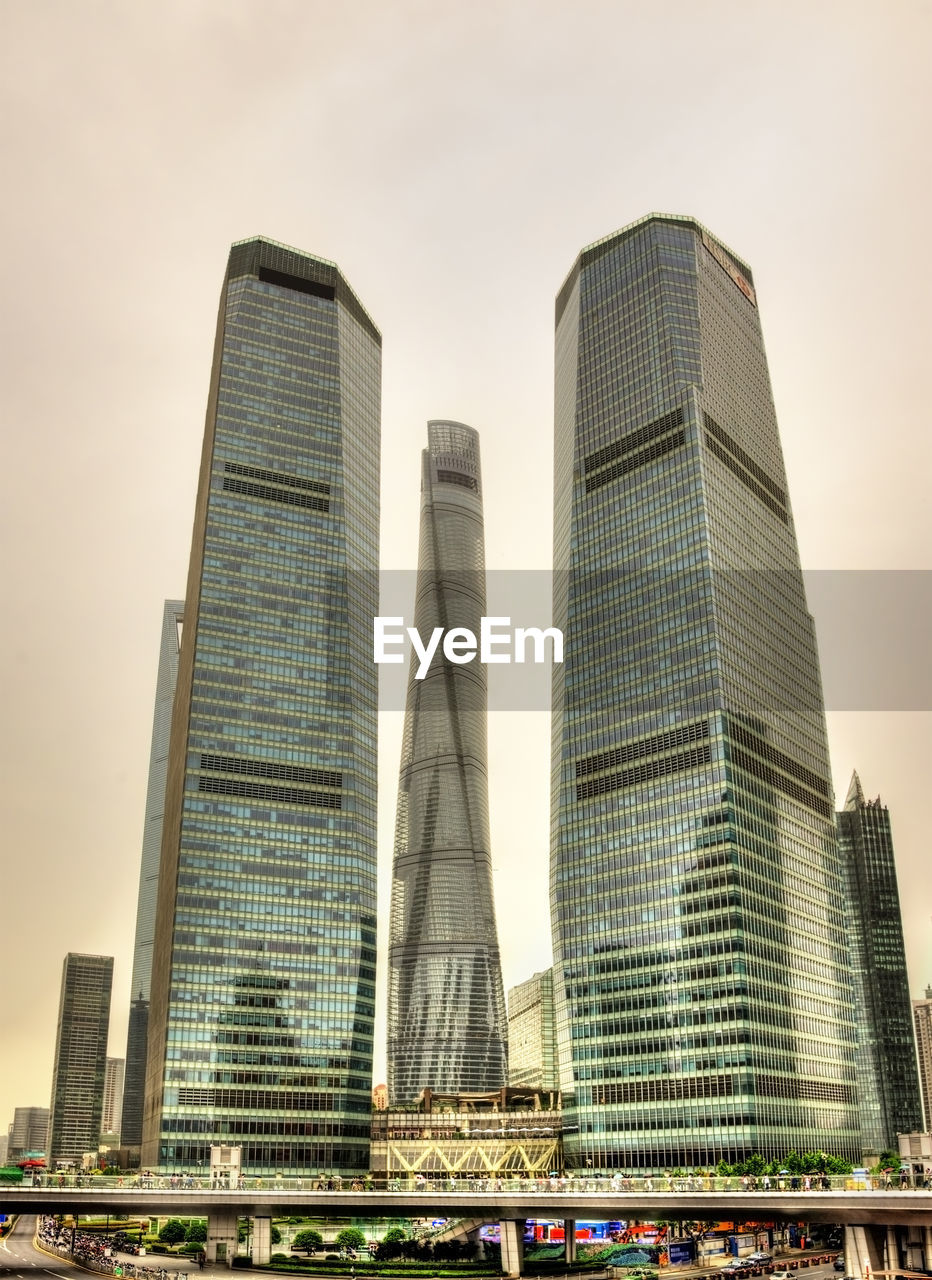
[174, 1232]
[308, 1240]
[394, 1234]
[276, 1235]
[888, 1159]
[196, 1232]
[350, 1238]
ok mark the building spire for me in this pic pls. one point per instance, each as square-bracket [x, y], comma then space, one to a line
[855, 796]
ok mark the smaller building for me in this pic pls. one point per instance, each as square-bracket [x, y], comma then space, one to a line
[888, 1086]
[916, 1151]
[29, 1133]
[922, 1021]
[506, 1133]
[532, 1034]
[113, 1099]
[80, 1058]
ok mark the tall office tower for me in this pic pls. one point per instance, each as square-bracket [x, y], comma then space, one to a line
[922, 1016]
[700, 961]
[129, 1123]
[80, 1064]
[532, 1034]
[889, 1098]
[29, 1133]
[113, 1095]
[446, 1009]
[261, 1013]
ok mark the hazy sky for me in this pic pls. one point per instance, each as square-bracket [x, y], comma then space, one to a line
[453, 159]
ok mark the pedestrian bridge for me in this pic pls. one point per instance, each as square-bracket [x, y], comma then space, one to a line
[871, 1217]
[494, 1200]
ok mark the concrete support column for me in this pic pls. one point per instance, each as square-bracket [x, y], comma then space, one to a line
[864, 1251]
[927, 1248]
[221, 1237]
[512, 1234]
[569, 1239]
[892, 1262]
[261, 1240]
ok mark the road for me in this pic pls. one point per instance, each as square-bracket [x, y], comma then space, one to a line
[19, 1259]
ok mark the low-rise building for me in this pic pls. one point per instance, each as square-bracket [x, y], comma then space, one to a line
[505, 1133]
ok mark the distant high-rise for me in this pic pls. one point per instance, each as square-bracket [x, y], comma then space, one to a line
[29, 1133]
[889, 1099]
[532, 1034]
[80, 1064]
[446, 1010]
[129, 1123]
[700, 960]
[263, 970]
[113, 1095]
[922, 1016]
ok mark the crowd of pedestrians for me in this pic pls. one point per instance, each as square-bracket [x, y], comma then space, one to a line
[97, 1252]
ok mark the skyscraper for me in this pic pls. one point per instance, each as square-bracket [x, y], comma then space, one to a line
[29, 1133]
[889, 1098]
[263, 969]
[80, 1063]
[532, 1034]
[700, 960]
[134, 1083]
[113, 1095]
[446, 1009]
[922, 1015]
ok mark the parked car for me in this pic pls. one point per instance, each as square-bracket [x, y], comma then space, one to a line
[782, 1275]
[758, 1258]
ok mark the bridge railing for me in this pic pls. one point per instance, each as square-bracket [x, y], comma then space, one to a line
[615, 1185]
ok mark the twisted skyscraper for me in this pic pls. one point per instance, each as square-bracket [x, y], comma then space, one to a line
[446, 1014]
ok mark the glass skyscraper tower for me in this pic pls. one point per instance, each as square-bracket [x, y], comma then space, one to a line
[261, 1014]
[701, 975]
[80, 1065]
[888, 1082]
[446, 1009]
[134, 1082]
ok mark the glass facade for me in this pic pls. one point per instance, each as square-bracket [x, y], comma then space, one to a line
[888, 1083]
[532, 1038]
[261, 1014]
[80, 1065]
[129, 1124]
[922, 1021]
[701, 973]
[446, 1010]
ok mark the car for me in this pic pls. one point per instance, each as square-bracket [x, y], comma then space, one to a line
[782, 1275]
[839, 1263]
[759, 1257]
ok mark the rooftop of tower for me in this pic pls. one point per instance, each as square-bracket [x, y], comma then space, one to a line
[599, 247]
[285, 265]
[856, 799]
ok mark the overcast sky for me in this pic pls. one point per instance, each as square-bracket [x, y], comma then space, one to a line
[453, 159]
